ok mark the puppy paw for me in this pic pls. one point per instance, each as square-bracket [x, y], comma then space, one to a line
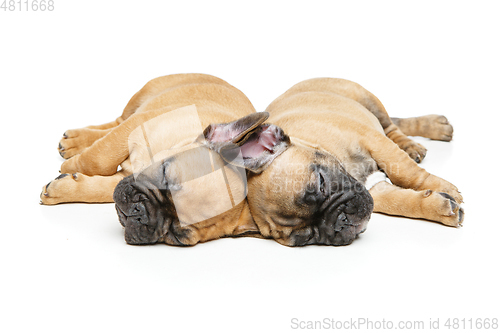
[453, 192]
[61, 189]
[72, 143]
[443, 208]
[75, 141]
[437, 184]
[416, 151]
[436, 127]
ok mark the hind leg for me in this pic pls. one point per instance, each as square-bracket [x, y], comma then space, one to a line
[105, 155]
[75, 141]
[432, 126]
[415, 150]
[356, 92]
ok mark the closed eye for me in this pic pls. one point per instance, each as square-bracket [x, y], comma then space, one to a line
[322, 183]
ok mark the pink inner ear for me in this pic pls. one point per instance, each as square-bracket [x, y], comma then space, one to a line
[223, 134]
[265, 140]
[268, 137]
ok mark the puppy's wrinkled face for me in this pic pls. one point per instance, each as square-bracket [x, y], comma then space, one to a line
[306, 197]
[144, 207]
[183, 190]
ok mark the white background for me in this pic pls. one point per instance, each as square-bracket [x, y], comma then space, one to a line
[67, 268]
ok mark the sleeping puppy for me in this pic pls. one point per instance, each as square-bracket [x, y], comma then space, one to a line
[312, 174]
[344, 144]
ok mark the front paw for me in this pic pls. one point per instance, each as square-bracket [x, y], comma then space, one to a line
[454, 193]
[60, 189]
[445, 209]
[440, 185]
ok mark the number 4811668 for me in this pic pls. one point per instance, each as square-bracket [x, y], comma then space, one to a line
[27, 5]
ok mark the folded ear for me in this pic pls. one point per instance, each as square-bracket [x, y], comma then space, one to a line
[234, 131]
[247, 142]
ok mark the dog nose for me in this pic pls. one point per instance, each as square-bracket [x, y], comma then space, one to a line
[122, 190]
[134, 213]
[137, 214]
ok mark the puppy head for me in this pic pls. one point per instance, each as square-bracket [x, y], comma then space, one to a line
[306, 197]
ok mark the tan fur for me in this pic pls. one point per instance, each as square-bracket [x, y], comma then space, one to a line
[331, 120]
